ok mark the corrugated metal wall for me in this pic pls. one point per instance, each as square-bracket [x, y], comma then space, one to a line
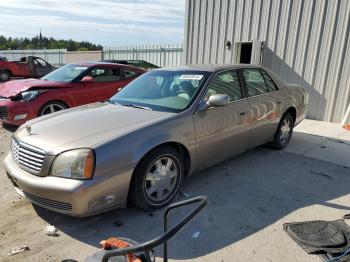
[306, 42]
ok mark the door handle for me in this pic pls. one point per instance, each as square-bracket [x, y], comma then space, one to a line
[243, 113]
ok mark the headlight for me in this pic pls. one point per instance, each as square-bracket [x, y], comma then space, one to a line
[78, 163]
[29, 95]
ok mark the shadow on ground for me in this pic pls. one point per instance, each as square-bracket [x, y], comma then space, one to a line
[246, 194]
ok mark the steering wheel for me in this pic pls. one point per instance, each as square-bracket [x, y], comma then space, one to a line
[183, 93]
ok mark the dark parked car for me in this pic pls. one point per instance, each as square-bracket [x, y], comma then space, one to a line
[138, 63]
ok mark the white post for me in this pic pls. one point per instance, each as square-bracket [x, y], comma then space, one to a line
[346, 116]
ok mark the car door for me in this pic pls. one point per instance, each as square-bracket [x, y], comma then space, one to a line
[264, 103]
[222, 132]
[41, 67]
[106, 82]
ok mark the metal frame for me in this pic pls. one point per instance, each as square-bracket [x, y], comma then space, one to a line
[202, 201]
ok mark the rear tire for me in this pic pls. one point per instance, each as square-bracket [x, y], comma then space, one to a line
[157, 178]
[51, 107]
[284, 132]
[5, 75]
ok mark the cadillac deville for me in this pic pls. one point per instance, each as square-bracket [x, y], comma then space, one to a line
[139, 145]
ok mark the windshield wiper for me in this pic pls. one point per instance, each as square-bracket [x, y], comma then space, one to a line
[136, 106]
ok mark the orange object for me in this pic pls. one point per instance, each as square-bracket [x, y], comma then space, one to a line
[347, 127]
[118, 243]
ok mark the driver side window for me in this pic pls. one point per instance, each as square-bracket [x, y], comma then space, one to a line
[226, 83]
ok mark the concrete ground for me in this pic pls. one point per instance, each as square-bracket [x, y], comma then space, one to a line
[251, 196]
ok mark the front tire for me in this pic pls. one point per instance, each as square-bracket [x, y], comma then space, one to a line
[51, 107]
[284, 132]
[157, 178]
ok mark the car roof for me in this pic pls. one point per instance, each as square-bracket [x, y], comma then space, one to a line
[93, 63]
[208, 67]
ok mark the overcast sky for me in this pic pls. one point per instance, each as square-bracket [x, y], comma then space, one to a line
[106, 22]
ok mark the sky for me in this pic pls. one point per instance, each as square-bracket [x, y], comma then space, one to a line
[105, 22]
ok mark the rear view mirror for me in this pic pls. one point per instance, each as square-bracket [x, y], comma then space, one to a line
[218, 100]
[87, 79]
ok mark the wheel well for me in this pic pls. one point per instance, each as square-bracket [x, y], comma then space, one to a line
[181, 149]
[293, 112]
[6, 69]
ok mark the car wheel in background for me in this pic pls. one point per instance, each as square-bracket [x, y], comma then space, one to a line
[4, 75]
[51, 107]
[284, 132]
[157, 178]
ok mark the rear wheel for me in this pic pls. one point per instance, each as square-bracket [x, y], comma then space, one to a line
[4, 75]
[157, 178]
[51, 107]
[284, 132]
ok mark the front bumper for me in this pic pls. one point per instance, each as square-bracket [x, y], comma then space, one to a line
[69, 196]
[9, 110]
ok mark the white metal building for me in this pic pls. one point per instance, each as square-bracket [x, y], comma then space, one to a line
[303, 41]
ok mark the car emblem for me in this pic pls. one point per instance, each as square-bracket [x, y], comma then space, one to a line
[29, 129]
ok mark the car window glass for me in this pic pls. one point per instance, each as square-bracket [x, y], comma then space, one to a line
[226, 83]
[128, 73]
[162, 90]
[255, 82]
[105, 74]
[66, 73]
[270, 84]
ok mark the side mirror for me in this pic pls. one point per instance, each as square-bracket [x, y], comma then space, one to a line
[87, 79]
[218, 100]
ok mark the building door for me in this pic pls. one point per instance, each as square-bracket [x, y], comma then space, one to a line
[249, 52]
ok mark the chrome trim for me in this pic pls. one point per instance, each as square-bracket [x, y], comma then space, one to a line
[28, 157]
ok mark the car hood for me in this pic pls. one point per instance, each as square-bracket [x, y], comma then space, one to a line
[15, 87]
[86, 126]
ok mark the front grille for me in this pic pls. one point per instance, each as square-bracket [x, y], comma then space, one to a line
[3, 112]
[48, 202]
[27, 157]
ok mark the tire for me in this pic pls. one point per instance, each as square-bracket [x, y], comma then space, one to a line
[156, 181]
[284, 132]
[4, 75]
[51, 107]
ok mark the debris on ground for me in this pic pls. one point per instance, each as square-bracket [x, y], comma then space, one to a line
[117, 223]
[196, 234]
[19, 250]
[51, 231]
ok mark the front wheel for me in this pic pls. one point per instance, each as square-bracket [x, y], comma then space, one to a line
[157, 178]
[284, 132]
[51, 107]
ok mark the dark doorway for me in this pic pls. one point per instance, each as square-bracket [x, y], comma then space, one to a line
[246, 53]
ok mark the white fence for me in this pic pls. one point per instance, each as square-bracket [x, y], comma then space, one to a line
[161, 55]
[53, 56]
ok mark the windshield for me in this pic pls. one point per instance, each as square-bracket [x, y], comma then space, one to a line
[65, 73]
[161, 90]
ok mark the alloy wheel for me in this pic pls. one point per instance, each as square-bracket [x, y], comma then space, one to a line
[51, 108]
[286, 131]
[161, 179]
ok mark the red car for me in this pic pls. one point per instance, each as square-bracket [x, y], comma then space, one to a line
[30, 66]
[69, 86]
